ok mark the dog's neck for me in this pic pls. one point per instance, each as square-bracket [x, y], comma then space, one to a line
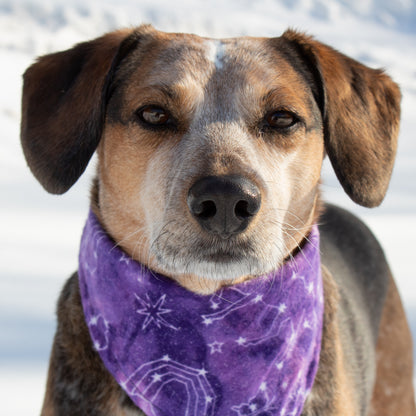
[249, 348]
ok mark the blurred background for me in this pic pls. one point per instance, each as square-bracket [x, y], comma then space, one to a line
[40, 232]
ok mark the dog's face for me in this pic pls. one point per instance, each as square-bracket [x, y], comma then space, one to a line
[210, 151]
[210, 114]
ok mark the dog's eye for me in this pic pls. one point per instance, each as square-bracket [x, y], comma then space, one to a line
[156, 116]
[280, 119]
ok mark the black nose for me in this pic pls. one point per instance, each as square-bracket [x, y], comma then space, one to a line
[224, 205]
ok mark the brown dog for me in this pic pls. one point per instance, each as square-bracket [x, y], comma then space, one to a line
[167, 111]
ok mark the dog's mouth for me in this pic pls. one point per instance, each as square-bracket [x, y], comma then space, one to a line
[222, 256]
[211, 250]
[227, 252]
[215, 258]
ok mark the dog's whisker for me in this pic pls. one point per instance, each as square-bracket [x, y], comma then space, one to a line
[300, 250]
[137, 231]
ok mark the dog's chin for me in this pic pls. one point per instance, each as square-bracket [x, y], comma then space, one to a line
[218, 267]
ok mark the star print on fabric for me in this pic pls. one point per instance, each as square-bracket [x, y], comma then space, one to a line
[242, 300]
[206, 321]
[91, 269]
[214, 305]
[154, 312]
[99, 328]
[193, 355]
[301, 278]
[216, 347]
[124, 259]
[241, 341]
[279, 365]
[154, 378]
[258, 299]
[93, 320]
[282, 308]
[261, 404]
[309, 287]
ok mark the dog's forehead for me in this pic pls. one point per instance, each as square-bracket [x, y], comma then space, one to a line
[204, 56]
[189, 65]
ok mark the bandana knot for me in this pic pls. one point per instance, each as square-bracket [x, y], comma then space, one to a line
[247, 350]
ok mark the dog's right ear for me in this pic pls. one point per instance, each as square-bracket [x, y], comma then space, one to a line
[63, 107]
[360, 109]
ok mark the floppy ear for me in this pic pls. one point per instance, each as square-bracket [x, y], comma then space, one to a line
[361, 112]
[63, 108]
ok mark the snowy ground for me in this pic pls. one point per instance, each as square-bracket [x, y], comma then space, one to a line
[40, 232]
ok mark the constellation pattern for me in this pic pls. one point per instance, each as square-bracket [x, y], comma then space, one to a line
[247, 350]
[230, 306]
[154, 378]
[273, 315]
[260, 404]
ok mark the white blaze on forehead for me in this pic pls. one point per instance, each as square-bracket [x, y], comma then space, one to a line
[216, 52]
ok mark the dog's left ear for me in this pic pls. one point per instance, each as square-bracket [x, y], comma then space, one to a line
[361, 112]
[63, 108]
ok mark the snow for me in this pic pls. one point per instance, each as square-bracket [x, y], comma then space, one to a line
[40, 232]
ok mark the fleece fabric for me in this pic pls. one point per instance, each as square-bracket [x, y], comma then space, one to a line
[248, 349]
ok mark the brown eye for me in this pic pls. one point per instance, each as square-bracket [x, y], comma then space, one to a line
[281, 119]
[156, 116]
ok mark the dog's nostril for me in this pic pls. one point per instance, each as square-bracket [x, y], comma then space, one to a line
[241, 210]
[207, 209]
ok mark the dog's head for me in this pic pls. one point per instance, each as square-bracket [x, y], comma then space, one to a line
[209, 151]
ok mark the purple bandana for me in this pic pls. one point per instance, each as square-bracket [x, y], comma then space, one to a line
[249, 349]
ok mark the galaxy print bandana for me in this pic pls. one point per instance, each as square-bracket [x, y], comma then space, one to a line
[249, 349]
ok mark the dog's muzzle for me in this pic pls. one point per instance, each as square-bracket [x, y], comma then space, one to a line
[224, 205]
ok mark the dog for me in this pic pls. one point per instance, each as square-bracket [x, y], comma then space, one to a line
[209, 161]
